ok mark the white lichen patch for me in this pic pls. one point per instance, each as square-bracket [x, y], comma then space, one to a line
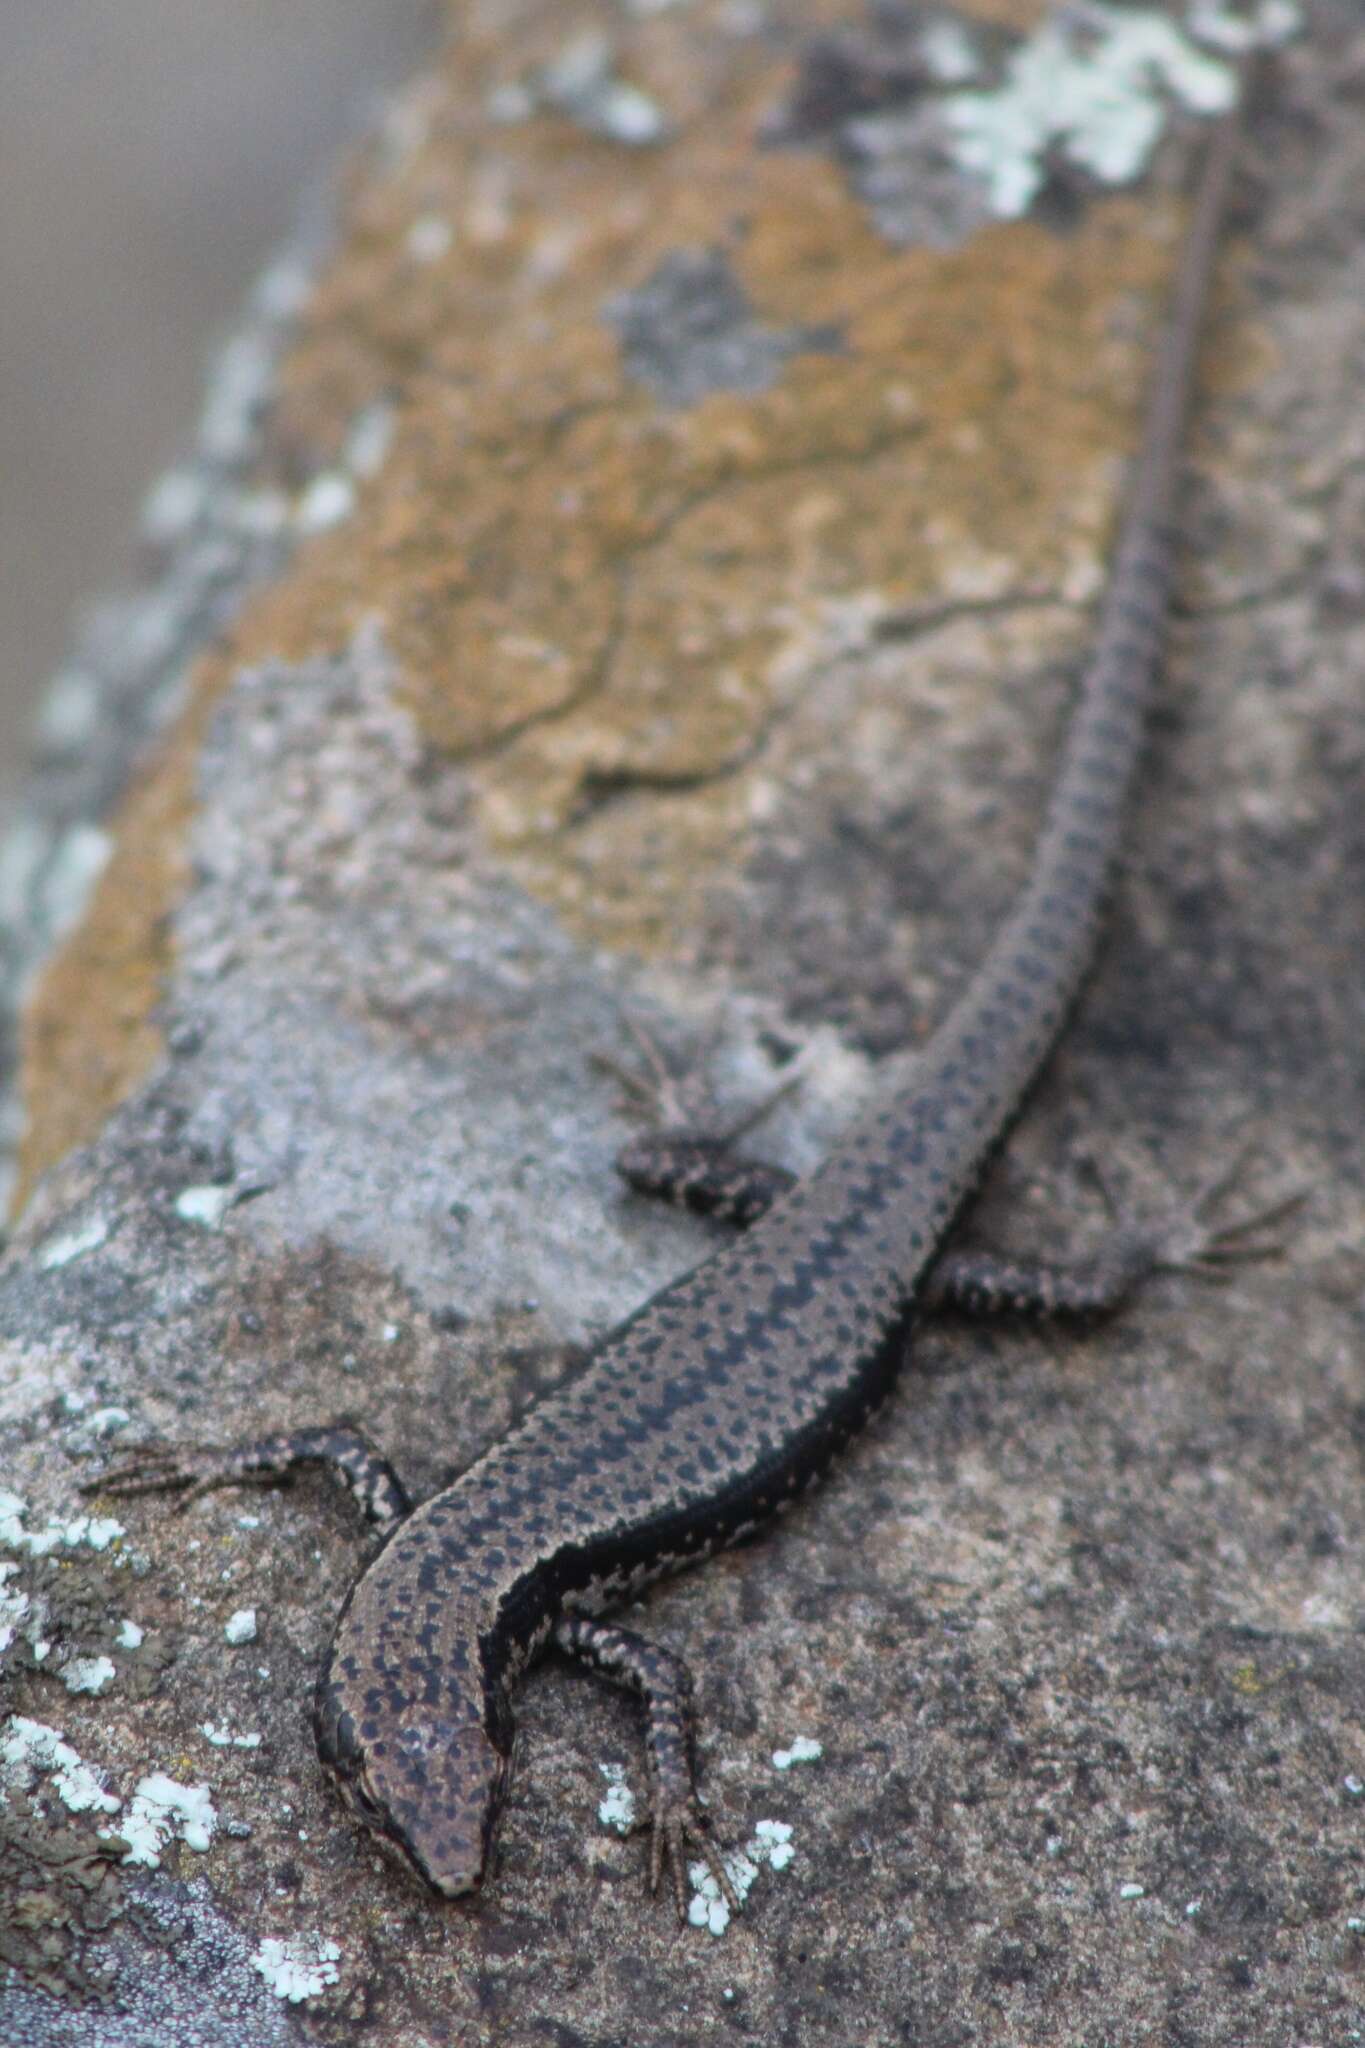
[804, 1750]
[30, 1749]
[162, 1811]
[128, 1635]
[1263, 25]
[72, 1244]
[583, 83]
[299, 1967]
[175, 504]
[14, 1608]
[223, 1738]
[87, 1674]
[97, 1532]
[617, 1807]
[205, 1205]
[104, 1421]
[240, 1627]
[328, 500]
[371, 437]
[770, 1844]
[947, 50]
[1090, 84]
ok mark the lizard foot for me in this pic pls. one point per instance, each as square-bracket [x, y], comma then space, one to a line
[192, 1471]
[673, 1822]
[687, 1157]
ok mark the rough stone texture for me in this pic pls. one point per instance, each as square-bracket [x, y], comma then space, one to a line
[731, 710]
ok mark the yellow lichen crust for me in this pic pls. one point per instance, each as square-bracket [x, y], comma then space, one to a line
[594, 593]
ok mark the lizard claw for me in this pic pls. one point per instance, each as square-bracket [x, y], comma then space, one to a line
[650, 1091]
[1190, 1242]
[184, 1469]
[1185, 1238]
[672, 1103]
[672, 1824]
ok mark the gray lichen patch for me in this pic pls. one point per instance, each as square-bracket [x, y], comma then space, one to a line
[690, 329]
[168, 1965]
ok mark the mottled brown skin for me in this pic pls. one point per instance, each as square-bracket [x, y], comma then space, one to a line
[726, 1396]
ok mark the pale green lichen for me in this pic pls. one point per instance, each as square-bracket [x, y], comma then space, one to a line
[299, 1967]
[205, 1205]
[96, 1532]
[804, 1749]
[240, 1627]
[30, 1749]
[72, 1244]
[770, 1844]
[223, 1738]
[88, 1674]
[1090, 84]
[164, 1810]
[617, 1807]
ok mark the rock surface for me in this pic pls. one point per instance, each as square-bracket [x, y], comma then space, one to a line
[687, 558]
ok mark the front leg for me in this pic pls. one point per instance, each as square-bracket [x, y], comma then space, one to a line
[664, 1683]
[338, 1447]
[687, 1157]
[702, 1174]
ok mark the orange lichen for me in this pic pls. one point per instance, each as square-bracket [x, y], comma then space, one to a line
[585, 590]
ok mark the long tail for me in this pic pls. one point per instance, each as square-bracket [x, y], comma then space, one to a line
[1016, 1002]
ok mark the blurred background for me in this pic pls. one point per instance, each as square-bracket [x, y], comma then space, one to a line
[152, 153]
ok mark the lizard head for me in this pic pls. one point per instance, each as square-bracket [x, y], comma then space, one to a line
[431, 1789]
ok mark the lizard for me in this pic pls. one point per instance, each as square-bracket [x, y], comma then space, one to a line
[718, 1403]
